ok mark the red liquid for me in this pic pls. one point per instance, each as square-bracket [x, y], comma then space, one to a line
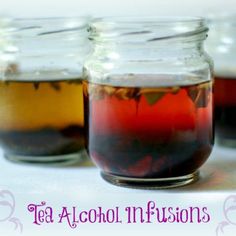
[149, 132]
[225, 107]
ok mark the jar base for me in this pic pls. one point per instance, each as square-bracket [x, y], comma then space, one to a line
[57, 160]
[231, 143]
[151, 183]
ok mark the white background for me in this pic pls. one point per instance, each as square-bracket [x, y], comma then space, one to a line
[42, 8]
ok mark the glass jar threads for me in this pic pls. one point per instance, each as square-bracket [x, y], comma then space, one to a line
[222, 47]
[41, 101]
[148, 100]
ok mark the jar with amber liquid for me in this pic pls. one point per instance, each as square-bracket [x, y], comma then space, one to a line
[41, 102]
[221, 45]
[148, 100]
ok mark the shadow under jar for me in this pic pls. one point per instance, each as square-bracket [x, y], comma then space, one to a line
[148, 100]
[222, 47]
[41, 98]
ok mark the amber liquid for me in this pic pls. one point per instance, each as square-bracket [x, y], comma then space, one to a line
[41, 118]
[225, 107]
[149, 132]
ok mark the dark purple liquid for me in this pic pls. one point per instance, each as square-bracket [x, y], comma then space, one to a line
[225, 107]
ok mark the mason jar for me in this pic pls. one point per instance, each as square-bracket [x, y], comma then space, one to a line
[222, 47]
[41, 99]
[148, 100]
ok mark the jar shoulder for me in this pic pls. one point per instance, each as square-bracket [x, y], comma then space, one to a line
[103, 66]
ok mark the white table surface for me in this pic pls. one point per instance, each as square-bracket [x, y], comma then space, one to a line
[82, 186]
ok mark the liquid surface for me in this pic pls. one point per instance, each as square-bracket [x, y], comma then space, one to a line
[149, 132]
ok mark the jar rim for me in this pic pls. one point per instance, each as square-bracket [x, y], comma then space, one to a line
[221, 17]
[157, 19]
[32, 27]
[154, 28]
[51, 19]
[221, 20]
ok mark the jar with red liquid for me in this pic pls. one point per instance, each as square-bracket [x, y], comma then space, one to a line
[222, 47]
[148, 100]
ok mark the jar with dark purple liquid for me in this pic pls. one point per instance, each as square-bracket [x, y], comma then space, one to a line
[148, 100]
[41, 96]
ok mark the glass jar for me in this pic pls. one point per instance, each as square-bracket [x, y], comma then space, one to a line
[41, 99]
[222, 47]
[148, 100]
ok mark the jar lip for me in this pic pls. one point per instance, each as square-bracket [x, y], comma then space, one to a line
[152, 28]
[52, 19]
[153, 19]
[223, 18]
[31, 27]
